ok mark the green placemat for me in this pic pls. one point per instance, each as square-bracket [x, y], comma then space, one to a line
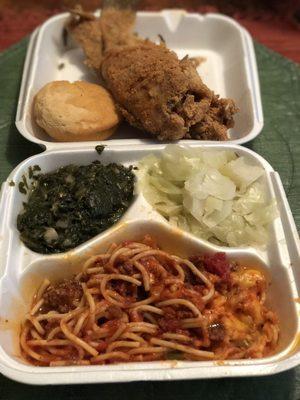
[279, 143]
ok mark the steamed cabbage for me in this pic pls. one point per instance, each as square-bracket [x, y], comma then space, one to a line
[211, 193]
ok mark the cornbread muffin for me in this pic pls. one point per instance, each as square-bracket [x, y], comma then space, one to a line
[78, 111]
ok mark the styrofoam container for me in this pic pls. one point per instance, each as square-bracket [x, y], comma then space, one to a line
[22, 270]
[230, 69]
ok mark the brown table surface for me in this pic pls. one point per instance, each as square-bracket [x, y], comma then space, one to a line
[272, 26]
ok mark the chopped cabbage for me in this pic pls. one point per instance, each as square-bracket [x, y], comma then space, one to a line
[193, 205]
[263, 215]
[209, 182]
[214, 194]
[218, 158]
[242, 172]
[164, 186]
[217, 216]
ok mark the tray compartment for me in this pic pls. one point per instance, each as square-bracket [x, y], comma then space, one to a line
[23, 270]
[230, 69]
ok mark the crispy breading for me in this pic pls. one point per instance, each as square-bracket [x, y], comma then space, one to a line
[117, 28]
[85, 28]
[154, 90]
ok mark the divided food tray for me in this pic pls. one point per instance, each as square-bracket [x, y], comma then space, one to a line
[229, 69]
[22, 270]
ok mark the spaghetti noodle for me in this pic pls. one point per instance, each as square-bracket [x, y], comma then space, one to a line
[139, 303]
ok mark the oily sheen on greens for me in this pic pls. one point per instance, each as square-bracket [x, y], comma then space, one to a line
[72, 204]
[214, 194]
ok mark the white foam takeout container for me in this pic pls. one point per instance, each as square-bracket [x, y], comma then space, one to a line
[229, 69]
[21, 271]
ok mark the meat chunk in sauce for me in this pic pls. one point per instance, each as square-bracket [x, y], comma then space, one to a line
[216, 331]
[63, 296]
[217, 264]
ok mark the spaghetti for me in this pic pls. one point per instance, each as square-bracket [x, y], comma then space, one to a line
[139, 303]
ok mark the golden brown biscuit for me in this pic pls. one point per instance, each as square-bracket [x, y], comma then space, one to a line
[75, 111]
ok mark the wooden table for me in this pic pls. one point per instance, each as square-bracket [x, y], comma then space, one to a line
[18, 18]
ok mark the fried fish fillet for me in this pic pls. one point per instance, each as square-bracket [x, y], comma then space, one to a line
[154, 90]
[86, 31]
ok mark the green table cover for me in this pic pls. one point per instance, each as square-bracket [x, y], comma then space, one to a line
[279, 143]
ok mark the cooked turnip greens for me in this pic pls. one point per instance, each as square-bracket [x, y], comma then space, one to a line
[72, 204]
